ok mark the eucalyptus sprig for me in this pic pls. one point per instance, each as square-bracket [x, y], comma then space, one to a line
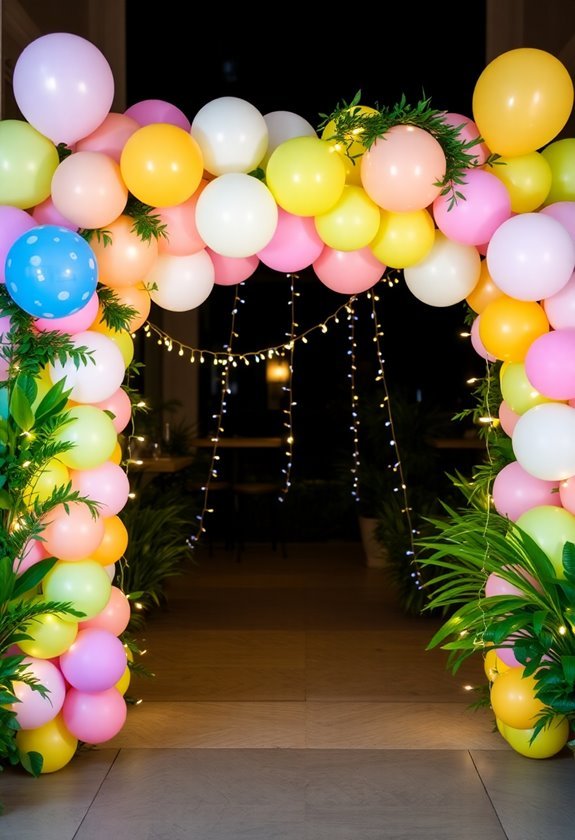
[351, 123]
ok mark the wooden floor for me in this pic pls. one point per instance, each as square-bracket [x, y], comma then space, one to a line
[294, 699]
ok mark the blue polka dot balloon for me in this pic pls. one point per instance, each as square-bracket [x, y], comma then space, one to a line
[51, 272]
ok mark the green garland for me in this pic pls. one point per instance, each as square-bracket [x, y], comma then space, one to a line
[350, 121]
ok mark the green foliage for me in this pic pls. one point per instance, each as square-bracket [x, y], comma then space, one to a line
[159, 525]
[466, 547]
[115, 315]
[351, 123]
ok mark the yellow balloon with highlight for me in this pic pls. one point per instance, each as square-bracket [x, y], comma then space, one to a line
[508, 327]
[306, 176]
[403, 239]
[351, 148]
[492, 665]
[162, 164]
[513, 699]
[522, 100]
[50, 634]
[527, 178]
[351, 223]
[54, 474]
[52, 740]
[548, 742]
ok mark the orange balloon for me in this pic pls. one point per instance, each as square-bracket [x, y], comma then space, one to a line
[116, 456]
[508, 327]
[114, 542]
[138, 298]
[127, 259]
[162, 164]
[513, 699]
[484, 292]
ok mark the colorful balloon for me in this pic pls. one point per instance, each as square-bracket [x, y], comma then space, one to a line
[231, 134]
[306, 176]
[53, 741]
[28, 161]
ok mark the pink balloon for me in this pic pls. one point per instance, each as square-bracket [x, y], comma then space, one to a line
[474, 219]
[468, 132]
[71, 324]
[33, 710]
[508, 418]
[564, 212]
[567, 494]
[95, 660]
[32, 553]
[120, 404]
[72, 535]
[477, 344]
[560, 307]
[157, 111]
[110, 137]
[13, 223]
[94, 717]
[108, 484]
[295, 244]
[550, 364]
[496, 585]
[88, 189]
[232, 270]
[506, 654]
[46, 213]
[114, 617]
[516, 491]
[348, 272]
[64, 86]
[531, 256]
[401, 170]
[182, 237]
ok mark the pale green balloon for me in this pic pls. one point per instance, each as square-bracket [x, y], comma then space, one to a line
[560, 156]
[84, 583]
[551, 527]
[28, 161]
[93, 437]
[50, 633]
[517, 390]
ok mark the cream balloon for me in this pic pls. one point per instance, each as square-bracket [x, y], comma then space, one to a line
[447, 275]
[102, 374]
[232, 135]
[179, 284]
[544, 441]
[284, 125]
[236, 215]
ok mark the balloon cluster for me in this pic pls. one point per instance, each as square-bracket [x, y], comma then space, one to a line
[229, 190]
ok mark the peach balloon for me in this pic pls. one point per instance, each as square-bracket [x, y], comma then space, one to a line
[120, 405]
[114, 617]
[88, 189]
[484, 292]
[181, 234]
[127, 259]
[110, 137]
[72, 534]
[401, 170]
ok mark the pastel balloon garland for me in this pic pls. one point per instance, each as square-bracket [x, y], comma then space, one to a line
[150, 206]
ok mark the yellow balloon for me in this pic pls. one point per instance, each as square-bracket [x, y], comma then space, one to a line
[124, 681]
[351, 223]
[522, 100]
[306, 176]
[121, 338]
[117, 455]
[561, 158]
[403, 239]
[492, 665]
[53, 741]
[54, 474]
[527, 178]
[549, 741]
[51, 634]
[162, 164]
[352, 149]
[508, 327]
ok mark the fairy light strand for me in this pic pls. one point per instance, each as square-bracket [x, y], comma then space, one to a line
[289, 392]
[354, 427]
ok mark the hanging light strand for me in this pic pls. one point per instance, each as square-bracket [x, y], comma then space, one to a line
[289, 392]
[355, 422]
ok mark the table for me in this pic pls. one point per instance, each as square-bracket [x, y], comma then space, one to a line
[148, 468]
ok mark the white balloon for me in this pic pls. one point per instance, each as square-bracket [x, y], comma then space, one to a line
[544, 441]
[99, 378]
[447, 275]
[179, 284]
[232, 135]
[285, 125]
[236, 215]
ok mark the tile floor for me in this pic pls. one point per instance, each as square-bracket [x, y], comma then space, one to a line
[294, 700]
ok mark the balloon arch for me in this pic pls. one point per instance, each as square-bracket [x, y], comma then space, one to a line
[102, 213]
